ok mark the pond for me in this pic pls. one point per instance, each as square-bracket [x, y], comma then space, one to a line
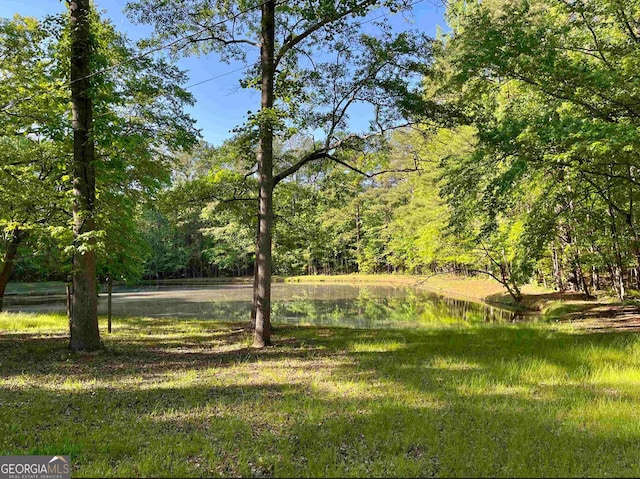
[358, 306]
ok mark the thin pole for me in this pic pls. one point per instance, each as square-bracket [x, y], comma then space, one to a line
[109, 289]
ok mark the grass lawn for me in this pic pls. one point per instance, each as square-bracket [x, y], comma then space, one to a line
[190, 398]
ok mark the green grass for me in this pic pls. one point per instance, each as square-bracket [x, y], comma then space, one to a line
[558, 310]
[190, 398]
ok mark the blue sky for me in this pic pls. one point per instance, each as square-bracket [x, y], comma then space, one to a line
[220, 103]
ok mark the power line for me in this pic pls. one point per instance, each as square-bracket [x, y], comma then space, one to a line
[186, 37]
[216, 77]
[145, 54]
[387, 14]
[248, 66]
[178, 40]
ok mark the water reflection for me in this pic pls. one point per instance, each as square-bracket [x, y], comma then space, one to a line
[387, 307]
[359, 306]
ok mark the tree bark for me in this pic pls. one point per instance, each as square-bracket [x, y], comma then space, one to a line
[637, 268]
[84, 321]
[618, 281]
[557, 270]
[262, 296]
[7, 262]
[68, 288]
[358, 251]
[583, 282]
[618, 271]
[254, 302]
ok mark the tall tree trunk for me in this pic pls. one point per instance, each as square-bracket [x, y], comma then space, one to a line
[618, 271]
[358, 251]
[637, 269]
[557, 270]
[629, 217]
[84, 321]
[573, 276]
[254, 302]
[581, 281]
[618, 281]
[262, 334]
[595, 278]
[8, 260]
[69, 286]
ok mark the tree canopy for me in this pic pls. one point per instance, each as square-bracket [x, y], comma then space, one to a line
[506, 146]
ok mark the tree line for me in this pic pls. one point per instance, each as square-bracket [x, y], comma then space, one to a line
[527, 159]
[506, 146]
[90, 127]
[297, 97]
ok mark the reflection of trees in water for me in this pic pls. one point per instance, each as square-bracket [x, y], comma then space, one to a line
[232, 311]
[327, 305]
[371, 307]
[408, 307]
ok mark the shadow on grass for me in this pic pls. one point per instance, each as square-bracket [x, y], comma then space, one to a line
[536, 301]
[577, 308]
[157, 347]
[493, 401]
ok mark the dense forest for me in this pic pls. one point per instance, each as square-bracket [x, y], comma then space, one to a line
[520, 160]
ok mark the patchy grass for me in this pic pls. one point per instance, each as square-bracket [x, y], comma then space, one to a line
[31, 323]
[353, 278]
[190, 398]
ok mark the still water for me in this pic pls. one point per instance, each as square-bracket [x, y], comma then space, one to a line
[358, 306]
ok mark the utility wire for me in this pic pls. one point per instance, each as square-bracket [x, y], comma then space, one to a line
[144, 54]
[249, 66]
[217, 76]
[178, 40]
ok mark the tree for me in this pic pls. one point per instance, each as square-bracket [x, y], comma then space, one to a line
[421, 240]
[84, 318]
[298, 98]
[32, 188]
[139, 125]
[141, 130]
[551, 88]
[211, 197]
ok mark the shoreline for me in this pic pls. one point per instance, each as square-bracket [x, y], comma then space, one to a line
[468, 288]
[602, 313]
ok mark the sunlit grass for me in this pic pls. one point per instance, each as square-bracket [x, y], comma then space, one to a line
[191, 398]
[32, 323]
